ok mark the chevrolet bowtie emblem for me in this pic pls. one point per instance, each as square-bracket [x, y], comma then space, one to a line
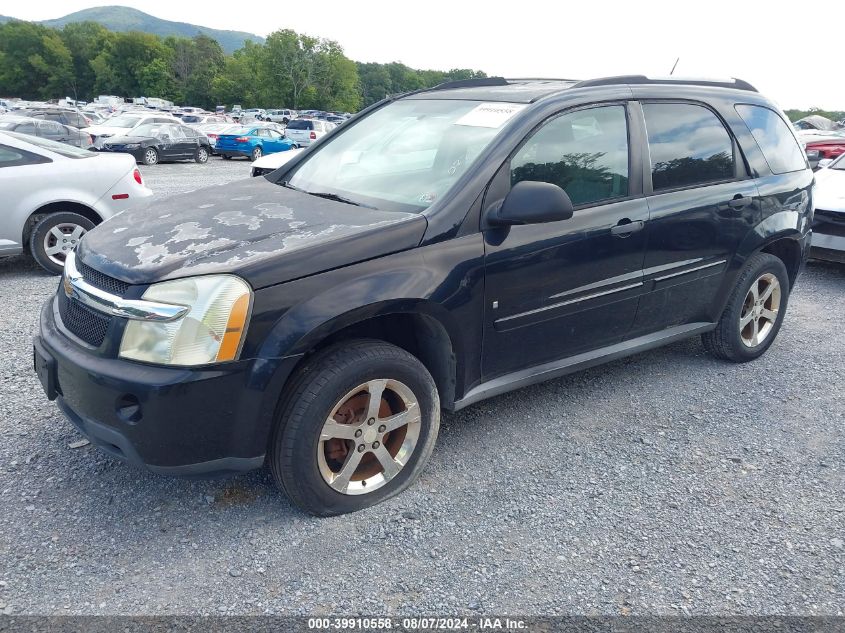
[68, 285]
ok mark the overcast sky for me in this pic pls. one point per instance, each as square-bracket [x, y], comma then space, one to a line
[778, 51]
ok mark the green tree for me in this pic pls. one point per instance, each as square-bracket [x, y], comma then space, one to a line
[84, 40]
[125, 66]
[36, 62]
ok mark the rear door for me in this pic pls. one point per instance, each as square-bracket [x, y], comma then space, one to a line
[557, 289]
[192, 140]
[702, 204]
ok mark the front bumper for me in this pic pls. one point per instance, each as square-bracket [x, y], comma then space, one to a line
[829, 236]
[169, 420]
[137, 154]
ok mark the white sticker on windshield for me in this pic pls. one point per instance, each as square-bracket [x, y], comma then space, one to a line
[490, 115]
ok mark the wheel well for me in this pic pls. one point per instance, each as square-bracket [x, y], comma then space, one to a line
[789, 252]
[420, 335]
[56, 207]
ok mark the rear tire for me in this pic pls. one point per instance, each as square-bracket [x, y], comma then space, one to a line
[54, 236]
[257, 153]
[225, 157]
[150, 156]
[331, 451]
[755, 311]
[201, 155]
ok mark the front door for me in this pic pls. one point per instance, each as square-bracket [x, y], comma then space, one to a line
[557, 289]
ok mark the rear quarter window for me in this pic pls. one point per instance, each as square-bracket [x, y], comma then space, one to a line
[774, 138]
[13, 157]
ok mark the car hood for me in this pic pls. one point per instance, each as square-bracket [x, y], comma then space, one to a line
[830, 189]
[277, 159]
[263, 232]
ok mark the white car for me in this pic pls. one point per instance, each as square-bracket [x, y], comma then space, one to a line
[279, 116]
[303, 132]
[54, 193]
[122, 124]
[829, 219]
[271, 162]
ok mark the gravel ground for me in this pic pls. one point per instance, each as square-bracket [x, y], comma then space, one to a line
[666, 483]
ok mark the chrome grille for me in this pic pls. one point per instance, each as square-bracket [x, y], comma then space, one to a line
[86, 324]
[100, 280]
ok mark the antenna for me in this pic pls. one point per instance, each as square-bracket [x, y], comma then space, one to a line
[672, 72]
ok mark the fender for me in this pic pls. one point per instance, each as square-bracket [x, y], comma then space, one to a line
[443, 282]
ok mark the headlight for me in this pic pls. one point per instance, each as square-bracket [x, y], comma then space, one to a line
[132, 145]
[211, 332]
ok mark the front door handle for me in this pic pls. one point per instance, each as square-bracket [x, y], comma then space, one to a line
[626, 227]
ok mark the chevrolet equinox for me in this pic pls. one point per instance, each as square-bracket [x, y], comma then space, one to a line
[442, 247]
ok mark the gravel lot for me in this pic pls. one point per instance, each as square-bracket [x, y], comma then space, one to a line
[666, 483]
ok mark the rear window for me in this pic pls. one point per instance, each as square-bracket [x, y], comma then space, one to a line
[774, 138]
[240, 131]
[689, 146]
[301, 125]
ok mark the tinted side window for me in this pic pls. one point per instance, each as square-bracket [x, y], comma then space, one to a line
[688, 144]
[12, 157]
[28, 127]
[585, 153]
[774, 138]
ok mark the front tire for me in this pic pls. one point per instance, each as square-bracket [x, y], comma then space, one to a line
[755, 311]
[55, 236]
[334, 448]
[257, 153]
[151, 156]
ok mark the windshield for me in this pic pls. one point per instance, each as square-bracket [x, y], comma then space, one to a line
[152, 129]
[405, 155]
[124, 121]
[68, 151]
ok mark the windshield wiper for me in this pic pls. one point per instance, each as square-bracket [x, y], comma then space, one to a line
[327, 196]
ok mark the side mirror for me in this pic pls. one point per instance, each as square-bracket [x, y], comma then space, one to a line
[532, 202]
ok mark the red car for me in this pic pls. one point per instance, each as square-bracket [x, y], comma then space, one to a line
[826, 147]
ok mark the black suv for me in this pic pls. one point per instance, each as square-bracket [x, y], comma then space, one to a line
[441, 247]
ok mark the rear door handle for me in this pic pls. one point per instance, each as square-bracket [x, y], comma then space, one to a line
[626, 227]
[738, 202]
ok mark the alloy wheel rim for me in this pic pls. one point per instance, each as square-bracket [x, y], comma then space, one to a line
[203, 156]
[62, 239]
[760, 310]
[152, 157]
[369, 436]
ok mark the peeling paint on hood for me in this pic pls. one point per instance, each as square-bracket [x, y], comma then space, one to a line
[262, 231]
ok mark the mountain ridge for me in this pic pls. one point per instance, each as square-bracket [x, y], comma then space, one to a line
[121, 19]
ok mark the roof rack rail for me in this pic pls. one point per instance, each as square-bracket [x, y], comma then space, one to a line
[540, 79]
[470, 83]
[736, 84]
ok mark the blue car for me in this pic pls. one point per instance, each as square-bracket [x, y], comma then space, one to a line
[252, 142]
